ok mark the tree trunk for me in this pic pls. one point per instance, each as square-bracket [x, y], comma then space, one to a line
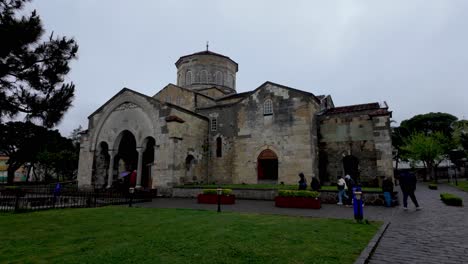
[431, 167]
[11, 173]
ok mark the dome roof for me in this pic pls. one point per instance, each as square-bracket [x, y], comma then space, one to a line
[206, 52]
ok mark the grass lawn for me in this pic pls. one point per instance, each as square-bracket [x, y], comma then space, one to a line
[462, 184]
[140, 235]
[268, 186]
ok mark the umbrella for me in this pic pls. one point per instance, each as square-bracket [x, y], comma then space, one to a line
[124, 174]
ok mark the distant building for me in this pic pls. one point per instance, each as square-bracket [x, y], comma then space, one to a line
[20, 174]
[202, 130]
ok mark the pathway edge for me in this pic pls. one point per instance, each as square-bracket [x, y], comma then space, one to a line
[373, 243]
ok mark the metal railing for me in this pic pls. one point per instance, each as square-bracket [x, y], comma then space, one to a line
[32, 199]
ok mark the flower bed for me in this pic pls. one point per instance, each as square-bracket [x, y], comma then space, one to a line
[298, 199]
[210, 196]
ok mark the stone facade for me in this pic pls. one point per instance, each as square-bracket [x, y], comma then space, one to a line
[201, 130]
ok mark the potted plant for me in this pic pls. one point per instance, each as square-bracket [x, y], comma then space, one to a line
[210, 196]
[298, 199]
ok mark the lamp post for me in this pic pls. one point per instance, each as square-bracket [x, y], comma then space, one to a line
[219, 191]
[131, 190]
[358, 210]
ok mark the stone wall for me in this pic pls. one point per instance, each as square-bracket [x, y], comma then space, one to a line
[359, 135]
[245, 131]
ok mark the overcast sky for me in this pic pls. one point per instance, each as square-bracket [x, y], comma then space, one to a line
[411, 54]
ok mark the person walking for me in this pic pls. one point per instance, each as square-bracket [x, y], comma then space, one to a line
[408, 186]
[350, 185]
[315, 184]
[387, 189]
[302, 182]
[341, 190]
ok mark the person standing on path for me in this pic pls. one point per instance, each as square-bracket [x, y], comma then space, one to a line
[408, 186]
[341, 190]
[350, 184]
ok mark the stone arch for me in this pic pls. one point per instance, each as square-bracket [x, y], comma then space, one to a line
[145, 122]
[351, 166]
[125, 160]
[268, 107]
[188, 78]
[203, 76]
[219, 78]
[190, 163]
[267, 166]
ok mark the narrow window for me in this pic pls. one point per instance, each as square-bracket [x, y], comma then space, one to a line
[219, 147]
[203, 77]
[219, 78]
[267, 107]
[179, 79]
[214, 123]
[168, 99]
[188, 78]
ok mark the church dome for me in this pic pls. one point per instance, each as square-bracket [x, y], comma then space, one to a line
[206, 69]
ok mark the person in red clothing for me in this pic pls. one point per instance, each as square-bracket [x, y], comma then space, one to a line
[133, 177]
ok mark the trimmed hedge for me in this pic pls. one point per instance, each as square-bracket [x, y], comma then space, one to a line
[451, 199]
[215, 191]
[291, 193]
[433, 186]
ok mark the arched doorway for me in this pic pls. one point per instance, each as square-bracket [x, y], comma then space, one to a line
[351, 166]
[126, 159]
[148, 162]
[190, 168]
[267, 166]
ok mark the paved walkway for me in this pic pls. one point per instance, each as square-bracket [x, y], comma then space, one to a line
[436, 234]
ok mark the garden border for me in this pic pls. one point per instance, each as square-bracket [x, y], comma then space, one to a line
[367, 253]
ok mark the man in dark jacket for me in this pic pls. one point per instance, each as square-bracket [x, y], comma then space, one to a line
[408, 186]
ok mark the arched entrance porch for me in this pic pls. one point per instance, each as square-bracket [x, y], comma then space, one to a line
[267, 166]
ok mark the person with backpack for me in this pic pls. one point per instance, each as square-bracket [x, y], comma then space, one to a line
[341, 190]
[350, 184]
[302, 182]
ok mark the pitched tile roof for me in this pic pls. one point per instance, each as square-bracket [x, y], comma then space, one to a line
[354, 108]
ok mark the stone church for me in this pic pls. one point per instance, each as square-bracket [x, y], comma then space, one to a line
[201, 130]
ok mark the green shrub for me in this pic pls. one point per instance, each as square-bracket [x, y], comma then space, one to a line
[292, 193]
[215, 191]
[433, 186]
[451, 199]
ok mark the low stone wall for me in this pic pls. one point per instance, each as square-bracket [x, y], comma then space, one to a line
[327, 197]
[249, 194]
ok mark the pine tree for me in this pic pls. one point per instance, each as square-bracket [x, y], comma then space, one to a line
[32, 70]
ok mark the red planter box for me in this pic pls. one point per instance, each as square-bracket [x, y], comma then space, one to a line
[213, 199]
[297, 202]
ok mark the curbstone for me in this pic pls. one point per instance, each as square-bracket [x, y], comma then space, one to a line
[373, 243]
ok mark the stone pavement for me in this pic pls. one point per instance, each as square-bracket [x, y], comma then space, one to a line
[436, 234]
